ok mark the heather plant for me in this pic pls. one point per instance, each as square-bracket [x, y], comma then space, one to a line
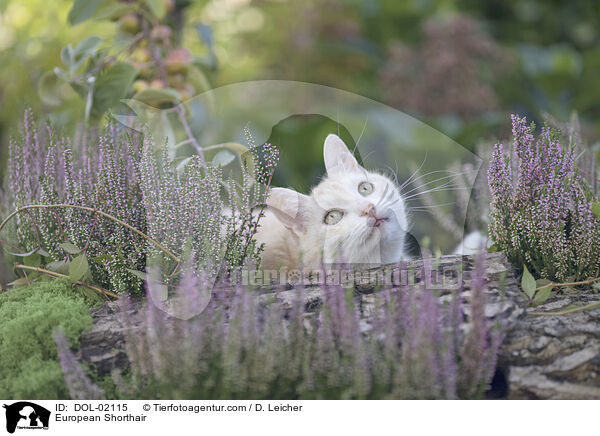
[97, 173]
[97, 210]
[543, 213]
[241, 347]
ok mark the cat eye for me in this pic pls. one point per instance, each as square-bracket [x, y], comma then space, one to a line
[365, 188]
[333, 217]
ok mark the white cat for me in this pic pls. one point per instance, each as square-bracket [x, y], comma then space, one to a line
[352, 215]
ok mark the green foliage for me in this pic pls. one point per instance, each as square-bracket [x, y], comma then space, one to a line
[28, 317]
[82, 10]
[78, 268]
[110, 87]
[528, 282]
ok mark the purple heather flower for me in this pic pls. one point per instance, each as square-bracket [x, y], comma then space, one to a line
[543, 218]
[79, 385]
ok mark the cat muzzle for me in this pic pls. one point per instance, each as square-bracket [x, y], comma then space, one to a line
[373, 220]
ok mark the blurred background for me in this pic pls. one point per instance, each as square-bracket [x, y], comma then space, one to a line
[460, 66]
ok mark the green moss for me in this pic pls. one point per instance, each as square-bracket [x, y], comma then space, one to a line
[28, 317]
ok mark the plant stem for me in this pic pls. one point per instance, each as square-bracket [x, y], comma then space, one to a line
[37, 233]
[162, 72]
[99, 212]
[91, 232]
[55, 274]
[583, 282]
[595, 305]
[12, 246]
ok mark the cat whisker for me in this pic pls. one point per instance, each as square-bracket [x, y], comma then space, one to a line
[421, 189]
[421, 186]
[414, 173]
[367, 156]
[361, 134]
[425, 175]
[426, 211]
[433, 206]
[391, 203]
[436, 189]
[393, 173]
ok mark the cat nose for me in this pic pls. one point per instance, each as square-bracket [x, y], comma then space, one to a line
[369, 211]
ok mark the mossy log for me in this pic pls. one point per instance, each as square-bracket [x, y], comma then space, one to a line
[542, 357]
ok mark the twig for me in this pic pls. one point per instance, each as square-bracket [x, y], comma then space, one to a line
[162, 72]
[62, 231]
[575, 309]
[78, 282]
[562, 285]
[595, 305]
[188, 132]
[37, 233]
[11, 245]
[91, 232]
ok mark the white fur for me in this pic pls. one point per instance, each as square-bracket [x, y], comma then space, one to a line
[296, 236]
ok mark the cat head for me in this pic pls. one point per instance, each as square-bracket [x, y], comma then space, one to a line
[352, 215]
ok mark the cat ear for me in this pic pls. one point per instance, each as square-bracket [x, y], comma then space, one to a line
[290, 208]
[337, 156]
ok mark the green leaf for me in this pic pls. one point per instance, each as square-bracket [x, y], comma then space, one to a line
[156, 96]
[493, 248]
[542, 294]
[34, 260]
[78, 268]
[49, 89]
[139, 274]
[242, 151]
[206, 35]
[112, 86]
[59, 266]
[223, 158]
[70, 248]
[43, 252]
[88, 46]
[82, 10]
[528, 282]
[157, 7]
[112, 9]
[67, 56]
[596, 209]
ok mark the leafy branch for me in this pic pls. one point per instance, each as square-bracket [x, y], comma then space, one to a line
[539, 291]
[101, 291]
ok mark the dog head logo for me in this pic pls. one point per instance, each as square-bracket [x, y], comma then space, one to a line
[26, 415]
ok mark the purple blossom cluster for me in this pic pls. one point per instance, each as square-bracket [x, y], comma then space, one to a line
[98, 171]
[415, 345]
[188, 212]
[542, 209]
[181, 207]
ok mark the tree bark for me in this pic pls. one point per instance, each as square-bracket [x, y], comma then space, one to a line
[542, 357]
